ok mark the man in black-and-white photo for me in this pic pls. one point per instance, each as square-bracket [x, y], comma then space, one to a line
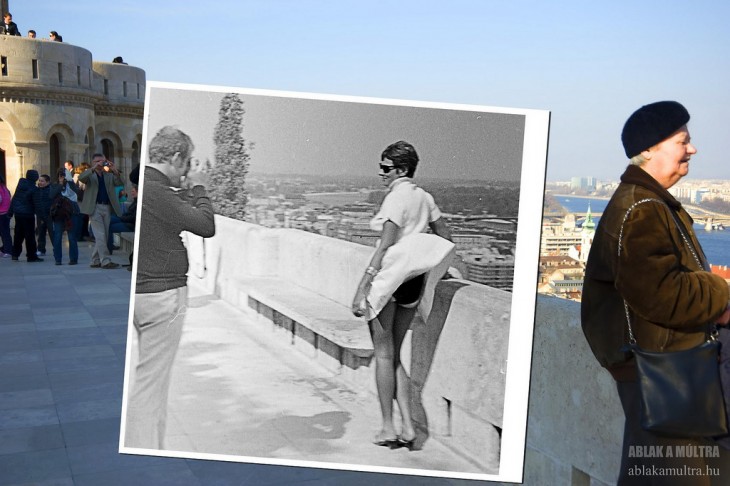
[175, 200]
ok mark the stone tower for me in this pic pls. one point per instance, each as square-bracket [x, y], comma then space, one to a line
[57, 103]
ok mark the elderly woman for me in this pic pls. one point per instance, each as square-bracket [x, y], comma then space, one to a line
[407, 210]
[661, 277]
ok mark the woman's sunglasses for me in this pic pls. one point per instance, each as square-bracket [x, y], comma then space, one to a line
[386, 168]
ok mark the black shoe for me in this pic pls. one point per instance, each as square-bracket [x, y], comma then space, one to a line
[59, 263]
[35, 260]
[95, 265]
[409, 444]
[386, 442]
[73, 262]
[15, 259]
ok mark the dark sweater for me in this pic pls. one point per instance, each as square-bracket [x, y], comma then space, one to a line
[22, 202]
[42, 202]
[166, 212]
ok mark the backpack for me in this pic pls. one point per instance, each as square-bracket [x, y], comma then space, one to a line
[61, 209]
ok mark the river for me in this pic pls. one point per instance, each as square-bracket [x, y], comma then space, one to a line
[716, 244]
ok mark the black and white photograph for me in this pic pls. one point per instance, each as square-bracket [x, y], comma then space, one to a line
[356, 243]
[334, 282]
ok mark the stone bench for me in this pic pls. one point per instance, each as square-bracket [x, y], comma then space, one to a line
[319, 327]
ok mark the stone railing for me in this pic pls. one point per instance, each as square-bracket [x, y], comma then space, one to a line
[34, 68]
[575, 421]
[45, 64]
[120, 83]
[301, 285]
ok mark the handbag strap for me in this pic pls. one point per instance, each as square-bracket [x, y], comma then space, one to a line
[701, 262]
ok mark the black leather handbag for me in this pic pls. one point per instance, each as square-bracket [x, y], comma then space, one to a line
[680, 391]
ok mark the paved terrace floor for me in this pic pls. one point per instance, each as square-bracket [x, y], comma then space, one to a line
[62, 348]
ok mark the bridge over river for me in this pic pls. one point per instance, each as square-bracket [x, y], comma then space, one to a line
[709, 219]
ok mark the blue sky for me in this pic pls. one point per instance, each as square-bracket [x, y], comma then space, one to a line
[590, 63]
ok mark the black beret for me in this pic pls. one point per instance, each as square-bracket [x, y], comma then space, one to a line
[651, 124]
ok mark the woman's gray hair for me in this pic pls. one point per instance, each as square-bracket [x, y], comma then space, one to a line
[637, 160]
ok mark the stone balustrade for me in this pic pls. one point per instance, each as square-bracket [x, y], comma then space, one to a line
[35, 63]
[35, 67]
[575, 421]
[120, 83]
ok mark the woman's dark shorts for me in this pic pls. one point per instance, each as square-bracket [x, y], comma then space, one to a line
[409, 291]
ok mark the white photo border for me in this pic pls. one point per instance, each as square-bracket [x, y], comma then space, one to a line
[532, 184]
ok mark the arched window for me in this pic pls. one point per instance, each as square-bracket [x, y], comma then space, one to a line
[107, 148]
[88, 141]
[135, 154]
[56, 149]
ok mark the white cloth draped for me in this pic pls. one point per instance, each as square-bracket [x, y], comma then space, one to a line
[411, 256]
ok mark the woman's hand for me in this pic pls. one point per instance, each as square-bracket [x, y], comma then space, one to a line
[359, 303]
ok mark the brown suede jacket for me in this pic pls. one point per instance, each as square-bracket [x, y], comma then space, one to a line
[671, 298]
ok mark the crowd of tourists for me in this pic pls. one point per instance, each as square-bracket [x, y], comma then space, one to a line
[88, 202]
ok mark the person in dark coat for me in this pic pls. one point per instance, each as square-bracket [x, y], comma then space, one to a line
[42, 202]
[65, 222]
[659, 281]
[8, 27]
[22, 207]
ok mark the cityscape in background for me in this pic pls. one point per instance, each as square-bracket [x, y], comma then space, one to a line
[573, 208]
[482, 215]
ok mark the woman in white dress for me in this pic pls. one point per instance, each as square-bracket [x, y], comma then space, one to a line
[406, 210]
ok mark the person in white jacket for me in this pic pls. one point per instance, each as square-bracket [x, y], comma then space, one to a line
[392, 285]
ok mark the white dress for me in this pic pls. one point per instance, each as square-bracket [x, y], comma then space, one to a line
[415, 252]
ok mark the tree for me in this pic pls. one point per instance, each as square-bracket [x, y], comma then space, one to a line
[228, 173]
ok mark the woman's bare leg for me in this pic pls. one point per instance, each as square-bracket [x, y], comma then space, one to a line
[381, 330]
[401, 324]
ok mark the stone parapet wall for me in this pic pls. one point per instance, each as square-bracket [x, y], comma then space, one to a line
[465, 336]
[76, 65]
[125, 84]
[575, 421]
[59, 72]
